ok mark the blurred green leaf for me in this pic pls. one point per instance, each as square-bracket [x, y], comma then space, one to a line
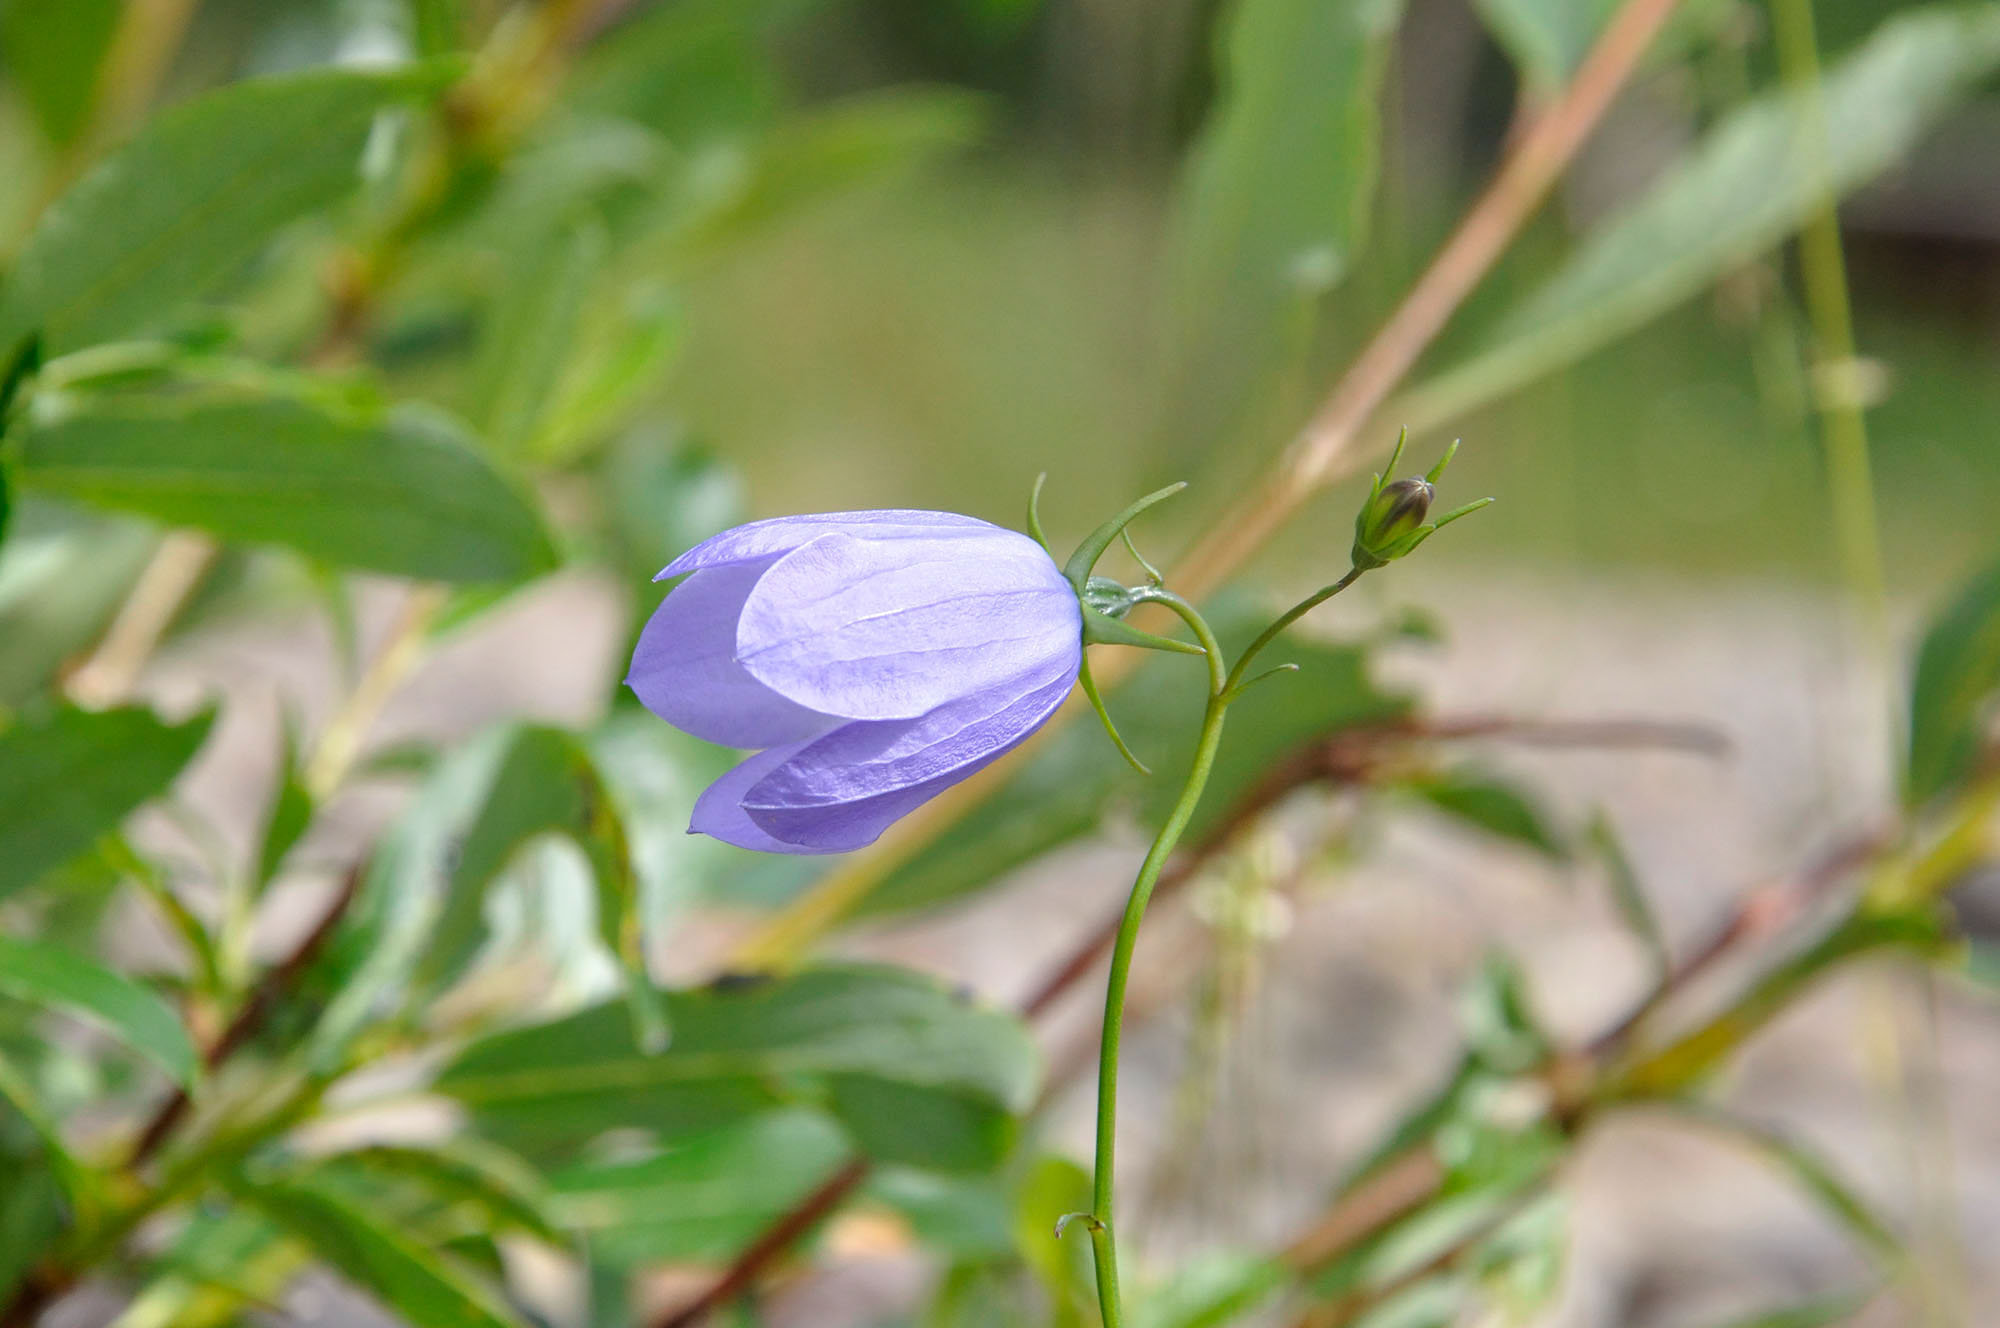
[1494, 806]
[1053, 1188]
[1275, 201]
[1211, 1292]
[627, 341]
[63, 573]
[914, 1073]
[422, 1285]
[692, 71]
[403, 492]
[703, 1198]
[49, 976]
[1628, 895]
[1501, 1028]
[961, 1217]
[1747, 185]
[531, 329]
[55, 53]
[1812, 1173]
[1951, 696]
[1546, 39]
[1066, 789]
[1813, 1314]
[69, 776]
[192, 197]
[488, 1189]
[439, 26]
[80, 1186]
[32, 1215]
[813, 156]
[289, 816]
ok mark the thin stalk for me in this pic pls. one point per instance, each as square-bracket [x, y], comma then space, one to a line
[1291, 615]
[1103, 1243]
[1823, 269]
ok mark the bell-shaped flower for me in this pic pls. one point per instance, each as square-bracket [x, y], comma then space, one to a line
[873, 659]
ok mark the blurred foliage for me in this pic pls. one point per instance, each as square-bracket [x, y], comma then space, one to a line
[462, 294]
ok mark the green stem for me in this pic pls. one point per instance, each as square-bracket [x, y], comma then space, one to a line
[1290, 616]
[1823, 267]
[1104, 1249]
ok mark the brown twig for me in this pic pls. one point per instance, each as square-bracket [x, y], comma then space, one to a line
[749, 1266]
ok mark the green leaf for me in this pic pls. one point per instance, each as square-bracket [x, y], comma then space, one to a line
[188, 200]
[1275, 201]
[55, 53]
[290, 815]
[79, 1185]
[913, 1072]
[1546, 39]
[1812, 1173]
[32, 1216]
[1212, 1292]
[403, 492]
[45, 975]
[531, 328]
[422, 1285]
[692, 71]
[1951, 696]
[704, 1198]
[68, 777]
[832, 150]
[1742, 190]
[488, 1188]
[64, 571]
[1501, 1029]
[1813, 1314]
[1491, 805]
[1629, 895]
[1065, 790]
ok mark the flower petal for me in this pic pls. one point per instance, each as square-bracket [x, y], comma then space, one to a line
[895, 628]
[843, 790]
[719, 813]
[685, 668]
[782, 534]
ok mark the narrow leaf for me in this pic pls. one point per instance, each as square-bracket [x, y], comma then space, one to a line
[55, 55]
[68, 777]
[1957, 677]
[45, 975]
[419, 1284]
[197, 191]
[1629, 895]
[1275, 201]
[401, 492]
[1743, 189]
[1493, 806]
[531, 330]
[1813, 1174]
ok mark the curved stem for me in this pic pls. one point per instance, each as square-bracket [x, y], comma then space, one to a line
[1104, 1248]
[1290, 616]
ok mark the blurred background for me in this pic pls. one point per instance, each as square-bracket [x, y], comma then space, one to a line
[678, 263]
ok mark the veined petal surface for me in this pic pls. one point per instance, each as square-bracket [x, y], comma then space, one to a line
[685, 668]
[782, 534]
[841, 791]
[894, 628]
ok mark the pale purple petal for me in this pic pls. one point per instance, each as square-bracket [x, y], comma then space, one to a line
[685, 668]
[719, 813]
[843, 790]
[893, 629]
[782, 534]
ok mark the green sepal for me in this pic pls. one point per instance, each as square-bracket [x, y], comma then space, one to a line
[1080, 563]
[1035, 513]
[1099, 630]
[1104, 716]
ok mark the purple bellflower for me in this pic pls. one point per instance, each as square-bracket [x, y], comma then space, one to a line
[873, 659]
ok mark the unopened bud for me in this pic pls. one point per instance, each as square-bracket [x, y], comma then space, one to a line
[1395, 519]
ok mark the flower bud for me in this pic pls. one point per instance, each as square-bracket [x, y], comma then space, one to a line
[1391, 523]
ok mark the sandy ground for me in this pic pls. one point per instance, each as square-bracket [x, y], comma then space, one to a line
[1349, 1011]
